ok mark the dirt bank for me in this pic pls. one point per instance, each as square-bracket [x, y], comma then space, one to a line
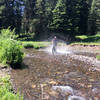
[4, 70]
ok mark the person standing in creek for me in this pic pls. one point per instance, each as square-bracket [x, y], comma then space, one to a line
[54, 45]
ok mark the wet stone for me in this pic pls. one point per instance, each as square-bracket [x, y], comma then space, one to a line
[76, 98]
[96, 91]
[63, 89]
[65, 93]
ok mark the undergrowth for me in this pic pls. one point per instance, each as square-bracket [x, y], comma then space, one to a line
[6, 91]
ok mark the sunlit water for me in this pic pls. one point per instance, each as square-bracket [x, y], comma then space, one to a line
[59, 50]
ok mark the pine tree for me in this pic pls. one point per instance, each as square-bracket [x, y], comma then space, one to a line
[28, 16]
[7, 13]
[59, 15]
[10, 14]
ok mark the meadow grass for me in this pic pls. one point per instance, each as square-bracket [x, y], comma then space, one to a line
[87, 40]
[85, 43]
[35, 44]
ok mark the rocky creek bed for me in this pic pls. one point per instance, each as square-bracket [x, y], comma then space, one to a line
[73, 76]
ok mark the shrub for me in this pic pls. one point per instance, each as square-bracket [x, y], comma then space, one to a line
[35, 45]
[7, 33]
[6, 90]
[10, 52]
[39, 45]
[11, 96]
[28, 45]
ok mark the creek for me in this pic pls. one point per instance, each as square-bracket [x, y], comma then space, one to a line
[57, 77]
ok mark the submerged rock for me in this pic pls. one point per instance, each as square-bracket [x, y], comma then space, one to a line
[64, 90]
[76, 98]
[96, 91]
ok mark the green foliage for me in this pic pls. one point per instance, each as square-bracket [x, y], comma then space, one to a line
[82, 37]
[10, 52]
[28, 45]
[70, 17]
[10, 14]
[35, 45]
[26, 36]
[7, 33]
[85, 43]
[98, 57]
[58, 15]
[93, 6]
[1, 9]
[89, 38]
[6, 92]
[66, 16]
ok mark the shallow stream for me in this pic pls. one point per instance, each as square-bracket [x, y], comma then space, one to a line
[56, 77]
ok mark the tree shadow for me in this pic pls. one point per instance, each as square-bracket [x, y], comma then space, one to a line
[20, 66]
[92, 39]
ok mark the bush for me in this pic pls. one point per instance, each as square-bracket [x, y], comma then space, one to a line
[10, 52]
[7, 33]
[28, 45]
[6, 92]
[36, 45]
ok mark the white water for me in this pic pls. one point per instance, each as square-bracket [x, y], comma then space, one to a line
[62, 49]
[67, 89]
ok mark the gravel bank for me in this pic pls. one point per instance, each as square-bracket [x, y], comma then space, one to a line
[92, 61]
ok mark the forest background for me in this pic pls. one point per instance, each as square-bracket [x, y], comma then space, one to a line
[40, 19]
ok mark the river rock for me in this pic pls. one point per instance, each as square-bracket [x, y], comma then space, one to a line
[76, 98]
[73, 75]
[96, 91]
[64, 90]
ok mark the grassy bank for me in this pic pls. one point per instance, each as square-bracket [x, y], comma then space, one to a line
[87, 40]
[85, 43]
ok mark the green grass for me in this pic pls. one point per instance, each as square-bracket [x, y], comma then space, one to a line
[98, 57]
[6, 91]
[82, 37]
[87, 40]
[28, 45]
[33, 44]
[85, 43]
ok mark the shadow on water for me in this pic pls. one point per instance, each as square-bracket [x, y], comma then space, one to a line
[48, 77]
[21, 66]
